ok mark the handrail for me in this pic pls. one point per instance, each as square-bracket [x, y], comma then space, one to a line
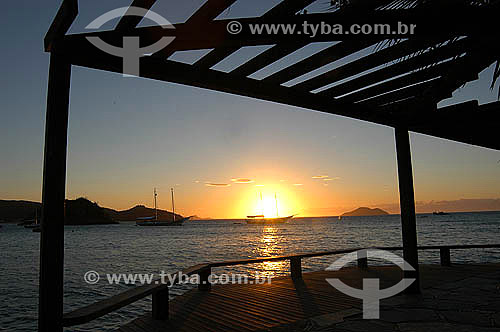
[159, 289]
[98, 309]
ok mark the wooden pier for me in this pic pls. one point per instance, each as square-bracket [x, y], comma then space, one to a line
[307, 299]
[450, 297]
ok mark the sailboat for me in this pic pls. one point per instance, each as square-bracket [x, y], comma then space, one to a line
[261, 219]
[153, 221]
[35, 223]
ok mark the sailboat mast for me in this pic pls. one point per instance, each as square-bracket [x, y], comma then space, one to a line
[173, 206]
[261, 204]
[156, 210]
[276, 199]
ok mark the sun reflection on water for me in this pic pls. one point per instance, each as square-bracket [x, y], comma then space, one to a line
[270, 245]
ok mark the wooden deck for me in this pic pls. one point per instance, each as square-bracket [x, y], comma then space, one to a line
[312, 304]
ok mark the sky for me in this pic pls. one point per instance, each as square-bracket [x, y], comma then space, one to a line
[129, 135]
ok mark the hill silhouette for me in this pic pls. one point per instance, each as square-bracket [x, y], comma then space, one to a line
[364, 211]
[19, 210]
[141, 211]
[80, 211]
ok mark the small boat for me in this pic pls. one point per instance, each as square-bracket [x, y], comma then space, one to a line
[178, 222]
[440, 213]
[35, 223]
[261, 219]
[153, 221]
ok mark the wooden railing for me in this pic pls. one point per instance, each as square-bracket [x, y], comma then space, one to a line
[160, 290]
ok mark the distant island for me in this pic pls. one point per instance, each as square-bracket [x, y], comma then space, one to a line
[364, 211]
[80, 211]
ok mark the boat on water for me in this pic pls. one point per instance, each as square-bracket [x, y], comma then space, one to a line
[261, 219]
[35, 223]
[153, 221]
[440, 213]
[178, 222]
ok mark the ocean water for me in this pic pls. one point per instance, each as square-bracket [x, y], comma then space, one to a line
[126, 248]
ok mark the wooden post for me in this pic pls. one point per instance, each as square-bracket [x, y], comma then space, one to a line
[204, 284]
[362, 259]
[50, 307]
[160, 304]
[444, 254]
[296, 268]
[407, 205]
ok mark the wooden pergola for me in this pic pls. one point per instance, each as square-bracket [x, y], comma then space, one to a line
[399, 85]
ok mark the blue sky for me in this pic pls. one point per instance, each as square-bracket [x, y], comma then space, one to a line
[128, 135]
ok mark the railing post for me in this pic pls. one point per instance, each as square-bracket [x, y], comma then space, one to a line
[444, 254]
[160, 304]
[204, 284]
[296, 268]
[362, 259]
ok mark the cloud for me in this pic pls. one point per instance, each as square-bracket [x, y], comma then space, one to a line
[259, 185]
[316, 177]
[196, 181]
[242, 180]
[331, 179]
[210, 184]
[298, 184]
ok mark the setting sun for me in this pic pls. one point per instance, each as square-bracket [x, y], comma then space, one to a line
[272, 202]
[269, 207]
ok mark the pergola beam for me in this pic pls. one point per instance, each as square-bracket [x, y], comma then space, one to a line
[286, 7]
[465, 122]
[65, 16]
[176, 72]
[412, 91]
[198, 22]
[397, 83]
[129, 22]
[401, 67]
[324, 57]
[372, 60]
[266, 58]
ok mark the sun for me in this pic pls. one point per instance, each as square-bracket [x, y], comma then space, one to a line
[270, 200]
[268, 207]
